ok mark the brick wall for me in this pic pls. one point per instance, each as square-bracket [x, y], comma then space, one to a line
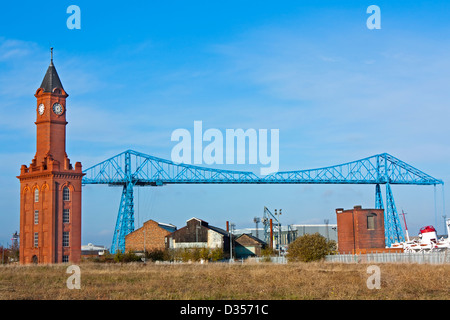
[353, 231]
[50, 172]
[150, 235]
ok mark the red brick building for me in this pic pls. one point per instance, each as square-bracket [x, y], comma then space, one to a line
[150, 236]
[50, 187]
[360, 230]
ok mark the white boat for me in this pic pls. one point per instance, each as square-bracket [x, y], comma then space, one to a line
[427, 241]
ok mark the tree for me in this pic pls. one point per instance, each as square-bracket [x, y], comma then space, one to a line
[310, 247]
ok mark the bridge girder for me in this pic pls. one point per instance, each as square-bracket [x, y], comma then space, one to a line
[131, 168]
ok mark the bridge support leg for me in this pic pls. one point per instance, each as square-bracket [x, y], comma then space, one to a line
[393, 230]
[378, 198]
[125, 217]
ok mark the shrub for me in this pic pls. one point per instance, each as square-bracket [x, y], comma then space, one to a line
[204, 254]
[195, 254]
[157, 255]
[310, 247]
[217, 254]
[268, 252]
[126, 257]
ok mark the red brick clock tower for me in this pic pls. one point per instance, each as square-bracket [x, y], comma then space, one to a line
[50, 188]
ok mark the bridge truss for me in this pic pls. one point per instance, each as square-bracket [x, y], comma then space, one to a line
[131, 168]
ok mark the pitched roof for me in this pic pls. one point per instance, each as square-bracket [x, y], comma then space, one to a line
[251, 237]
[167, 226]
[51, 79]
[218, 230]
[207, 225]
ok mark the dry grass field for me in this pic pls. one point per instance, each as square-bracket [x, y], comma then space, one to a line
[218, 281]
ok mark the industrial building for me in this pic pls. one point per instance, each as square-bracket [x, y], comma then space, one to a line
[361, 230]
[149, 237]
[291, 232]
[91, 250]
[198, 234]
[247, 245]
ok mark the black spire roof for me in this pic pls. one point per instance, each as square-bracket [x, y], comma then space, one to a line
[51, 79]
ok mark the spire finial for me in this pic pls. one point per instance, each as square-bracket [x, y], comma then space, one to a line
[51, 54]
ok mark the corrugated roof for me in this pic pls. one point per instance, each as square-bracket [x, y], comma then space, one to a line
[167, 226]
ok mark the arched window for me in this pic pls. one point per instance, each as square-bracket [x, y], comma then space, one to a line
[66, 194]
[371, 221]
[36, 195]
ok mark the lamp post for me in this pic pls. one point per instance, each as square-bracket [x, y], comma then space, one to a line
[326, 228]
[445, 224]
[197, 227]
[232, 225]
[256, 220]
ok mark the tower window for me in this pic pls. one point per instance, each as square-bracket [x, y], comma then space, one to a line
[65, 240]
[36, 216]
[65, 258]
[66, 215]
[66, 194]
[371, 221]
[36, 195]
[36, 239]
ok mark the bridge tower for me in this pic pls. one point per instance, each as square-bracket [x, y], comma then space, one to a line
[50, 187]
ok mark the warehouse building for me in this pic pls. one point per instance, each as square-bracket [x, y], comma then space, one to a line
[149, 237]
[291, 232]
[198, 234]
[91, 250]
[247, 245]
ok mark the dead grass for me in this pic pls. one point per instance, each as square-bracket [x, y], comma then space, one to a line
[216, 281]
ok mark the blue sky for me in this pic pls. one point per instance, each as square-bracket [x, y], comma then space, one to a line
[136, 71]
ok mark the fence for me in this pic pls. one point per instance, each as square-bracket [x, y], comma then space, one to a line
[424, 257]
[281, 259]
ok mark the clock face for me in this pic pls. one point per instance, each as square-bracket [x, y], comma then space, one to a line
[57, 108]
[41, 109]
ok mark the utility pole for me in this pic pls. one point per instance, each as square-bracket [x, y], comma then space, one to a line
[143, 227]
[326, 228]
[256, 220]
[196, 233]
[232, 225]
[445, 224]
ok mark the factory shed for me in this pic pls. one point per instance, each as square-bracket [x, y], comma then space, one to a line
[198, 234]
[150, 236]
[91, 250]
[247, 245]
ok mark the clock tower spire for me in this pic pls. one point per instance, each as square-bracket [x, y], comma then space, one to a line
[51, 119]
[50, 198]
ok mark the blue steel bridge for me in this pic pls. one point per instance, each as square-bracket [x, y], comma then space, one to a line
[131, 168]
